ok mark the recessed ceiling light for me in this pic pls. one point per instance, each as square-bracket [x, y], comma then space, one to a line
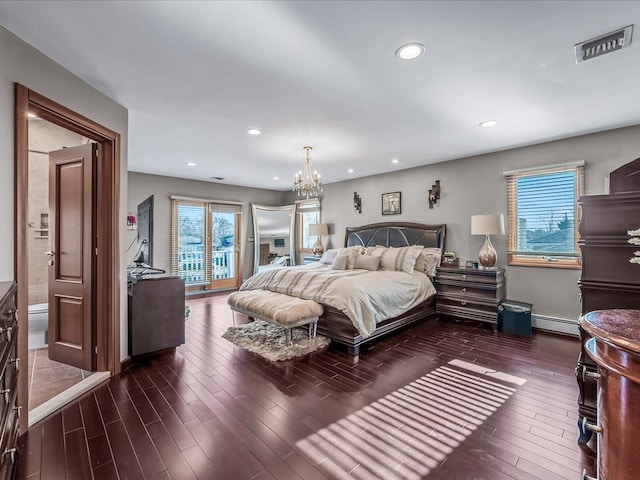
[488, 123]
[351, 170]
[276, 178]
[410, 51]
[190, 164]
[254, 131]
[395, 160]
[31, 115]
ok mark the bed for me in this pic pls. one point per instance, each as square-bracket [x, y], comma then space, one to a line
[374, 303]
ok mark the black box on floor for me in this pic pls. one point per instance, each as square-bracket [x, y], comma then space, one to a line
[515, 318]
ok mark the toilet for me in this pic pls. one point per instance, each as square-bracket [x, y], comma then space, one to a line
[38, 325]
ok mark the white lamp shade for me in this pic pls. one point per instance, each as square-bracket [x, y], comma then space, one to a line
[488, 224]
[318, 229]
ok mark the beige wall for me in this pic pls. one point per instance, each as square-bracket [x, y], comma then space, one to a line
[142, 185]
[20, 63]
[476, 185]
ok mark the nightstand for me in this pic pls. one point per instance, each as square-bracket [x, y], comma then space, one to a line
[310, 259]
[471, 294]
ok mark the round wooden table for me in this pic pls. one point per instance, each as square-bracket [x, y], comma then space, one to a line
[615, 347]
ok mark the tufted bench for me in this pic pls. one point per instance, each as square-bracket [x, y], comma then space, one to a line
[277, 308]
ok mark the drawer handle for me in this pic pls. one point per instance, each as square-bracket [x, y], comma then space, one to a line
[17, 362]
[464, 291]
[588, 374]
[464, 277]
[12, 452]
[587, 477]
[17, 409]
[463, 302]
[590, 426]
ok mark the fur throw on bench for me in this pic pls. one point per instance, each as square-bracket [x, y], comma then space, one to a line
[276, 308]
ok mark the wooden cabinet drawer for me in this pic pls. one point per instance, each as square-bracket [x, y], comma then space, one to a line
[601, 296]
[488, 306]
[9, 441]
[598, 218]
[470, 290]
[472, 276]
[610, 263]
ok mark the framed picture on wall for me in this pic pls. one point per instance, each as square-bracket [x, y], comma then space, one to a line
[391, 203]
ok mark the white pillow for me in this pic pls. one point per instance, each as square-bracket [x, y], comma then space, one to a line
[346, 259]
[329, 256]
[367, 262]
[402, 259]
[428, 260]
[375, 251]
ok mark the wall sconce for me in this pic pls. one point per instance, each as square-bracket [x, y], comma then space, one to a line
[357, 202]
[434, 194]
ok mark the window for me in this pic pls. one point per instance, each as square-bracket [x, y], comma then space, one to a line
[204, 243]
[308, 214]
[543, 215]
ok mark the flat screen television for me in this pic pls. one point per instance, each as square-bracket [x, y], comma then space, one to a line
[278, 242]
[145, 232]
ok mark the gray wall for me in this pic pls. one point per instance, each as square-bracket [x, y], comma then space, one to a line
[142, 185]
[21, 63]
[476, 185]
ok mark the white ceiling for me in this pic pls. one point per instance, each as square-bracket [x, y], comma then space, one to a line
[196, 75]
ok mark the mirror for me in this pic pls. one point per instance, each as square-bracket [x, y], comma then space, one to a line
[273, 234]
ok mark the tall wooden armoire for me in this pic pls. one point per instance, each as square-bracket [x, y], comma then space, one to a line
[609, 279]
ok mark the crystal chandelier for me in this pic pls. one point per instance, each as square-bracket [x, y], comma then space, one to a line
[305, 183]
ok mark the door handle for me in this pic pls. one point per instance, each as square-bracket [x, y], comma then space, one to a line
[50, 253]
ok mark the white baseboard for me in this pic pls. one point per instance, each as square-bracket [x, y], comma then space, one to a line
[555, 324]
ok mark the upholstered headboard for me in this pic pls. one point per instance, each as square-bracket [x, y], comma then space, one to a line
[396, 235]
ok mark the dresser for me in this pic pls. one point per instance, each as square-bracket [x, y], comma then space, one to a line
[608, 279]
[9, 364]
[614, 346]
[470, 293]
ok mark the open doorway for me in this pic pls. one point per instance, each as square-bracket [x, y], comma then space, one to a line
[47, 377]
[106, 293]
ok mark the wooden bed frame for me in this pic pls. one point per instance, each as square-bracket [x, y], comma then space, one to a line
[336, 325]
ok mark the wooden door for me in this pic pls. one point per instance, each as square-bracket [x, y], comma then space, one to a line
[71, 258]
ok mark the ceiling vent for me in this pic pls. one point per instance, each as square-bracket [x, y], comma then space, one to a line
[607, 43]
[217, 179]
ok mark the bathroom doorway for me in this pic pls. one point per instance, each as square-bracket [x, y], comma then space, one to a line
[106, 260]
[47, 377]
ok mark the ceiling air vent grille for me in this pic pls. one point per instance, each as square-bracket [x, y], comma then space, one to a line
[217, 179]
[607, 43]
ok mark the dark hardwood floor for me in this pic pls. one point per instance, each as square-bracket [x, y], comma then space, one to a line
[439, 400]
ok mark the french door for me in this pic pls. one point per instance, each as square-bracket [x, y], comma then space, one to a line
[206, 244]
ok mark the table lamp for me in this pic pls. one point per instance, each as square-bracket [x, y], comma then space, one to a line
[487, 224]
[318, 229]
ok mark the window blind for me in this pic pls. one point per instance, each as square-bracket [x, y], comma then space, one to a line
[543, 215]
[189, 255]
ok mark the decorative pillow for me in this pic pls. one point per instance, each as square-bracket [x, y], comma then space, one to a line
[345, 259]
[329, 256]
[375, 251]
[367, 262]
[428, 260]
[402, 259]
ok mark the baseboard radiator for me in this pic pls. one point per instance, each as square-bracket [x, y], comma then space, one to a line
[555, 324]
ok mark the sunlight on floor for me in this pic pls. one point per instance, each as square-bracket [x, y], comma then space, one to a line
[408, 433]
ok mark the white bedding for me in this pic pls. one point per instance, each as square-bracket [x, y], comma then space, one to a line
[364, 296]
